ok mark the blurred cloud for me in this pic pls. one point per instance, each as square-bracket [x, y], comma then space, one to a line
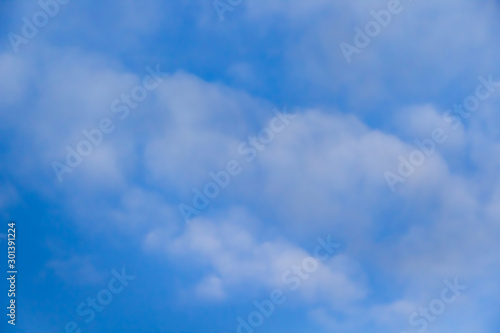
[323, 175]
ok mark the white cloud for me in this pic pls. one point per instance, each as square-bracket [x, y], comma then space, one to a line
[236, 258]
[323, 174]
[200, 130]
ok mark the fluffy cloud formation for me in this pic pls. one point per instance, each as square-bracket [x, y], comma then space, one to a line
[219, 85]
[235, 258]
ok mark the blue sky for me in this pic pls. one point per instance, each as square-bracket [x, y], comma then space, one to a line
[210, 160]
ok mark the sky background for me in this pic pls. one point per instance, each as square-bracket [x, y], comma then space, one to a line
[324, 175]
